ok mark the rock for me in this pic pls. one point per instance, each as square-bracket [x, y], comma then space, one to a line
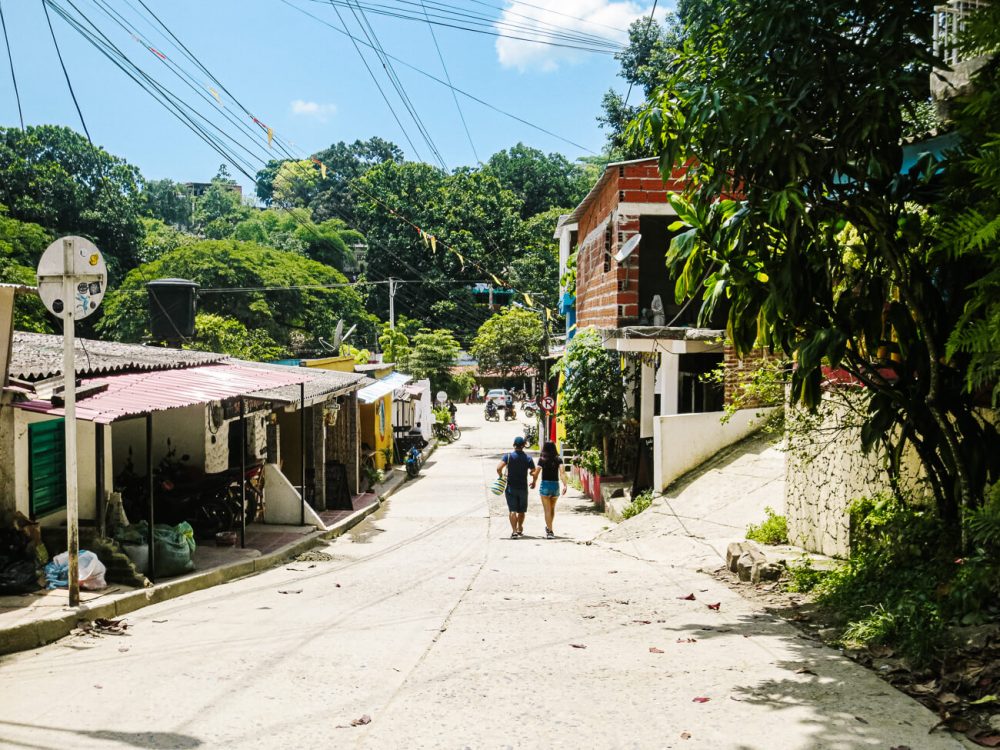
[749, 564]
[770, 572]
[734, 551]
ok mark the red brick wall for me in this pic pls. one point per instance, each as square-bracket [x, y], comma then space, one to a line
[600, 299]
[739, 370]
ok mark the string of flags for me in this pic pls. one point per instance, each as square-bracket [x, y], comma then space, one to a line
[430, 240]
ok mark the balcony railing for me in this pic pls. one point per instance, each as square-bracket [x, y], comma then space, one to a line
[949, 22]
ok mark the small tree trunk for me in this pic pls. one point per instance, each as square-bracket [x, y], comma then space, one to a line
[607, 456]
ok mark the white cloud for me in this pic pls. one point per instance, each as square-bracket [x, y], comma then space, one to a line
[605, 18]
[321, 112]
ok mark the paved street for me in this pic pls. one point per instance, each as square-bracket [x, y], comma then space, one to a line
[448, 634]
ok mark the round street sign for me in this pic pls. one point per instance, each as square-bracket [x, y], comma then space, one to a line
[548, 403]
[441, 397]
[88, 275]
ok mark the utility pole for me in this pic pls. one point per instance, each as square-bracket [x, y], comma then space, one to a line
[392, 302]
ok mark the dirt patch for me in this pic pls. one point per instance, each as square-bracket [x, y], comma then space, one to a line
[962, 686]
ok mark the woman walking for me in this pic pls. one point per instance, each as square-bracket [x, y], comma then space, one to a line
[550, 466]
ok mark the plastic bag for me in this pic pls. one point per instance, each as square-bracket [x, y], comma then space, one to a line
[90, 571]
[499, 486]
[19, 577]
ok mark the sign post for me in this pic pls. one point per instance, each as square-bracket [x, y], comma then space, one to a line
[72, 279]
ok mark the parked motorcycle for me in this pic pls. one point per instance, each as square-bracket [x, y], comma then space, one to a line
[414, 460]
[530, 409]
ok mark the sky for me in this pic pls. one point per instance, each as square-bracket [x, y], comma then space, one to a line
[307, 83]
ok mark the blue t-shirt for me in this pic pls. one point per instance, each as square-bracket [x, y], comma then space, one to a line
[519, 464]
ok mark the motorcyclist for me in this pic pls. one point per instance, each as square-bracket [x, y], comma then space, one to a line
[491, 408]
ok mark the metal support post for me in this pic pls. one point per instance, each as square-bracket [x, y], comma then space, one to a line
[99, 476]
[302, 447]
[392, 303]
[243, 473]
[149, 489]
[69, 396]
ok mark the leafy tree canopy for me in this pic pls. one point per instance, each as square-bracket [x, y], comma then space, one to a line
[830, 253]
[432, 355]
[509, 343]
[217, 333]
[53, 177]
[21, 245]
[541, 181]
[299, 309]
[593, 398]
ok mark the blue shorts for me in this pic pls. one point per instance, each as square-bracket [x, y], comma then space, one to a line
[517, 499]
[549, 488]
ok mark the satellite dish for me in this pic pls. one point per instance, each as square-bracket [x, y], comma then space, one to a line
[79, 259]
[338, 335]
[628, 248]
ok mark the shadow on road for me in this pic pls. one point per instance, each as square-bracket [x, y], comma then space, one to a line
[150, 740]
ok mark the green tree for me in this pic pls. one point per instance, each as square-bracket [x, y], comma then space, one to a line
[541, 181]
[394, 343]
[432, 355]
[220, 208]
[829, 255]
[216, 333]
[296, 183]
[53, 177]
[593, 397]
[21, 245]
[159, 238]
[509, 343]
[168, 201]
[536, 268]
[286, 295]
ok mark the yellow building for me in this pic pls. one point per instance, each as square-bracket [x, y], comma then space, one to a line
[375, 402]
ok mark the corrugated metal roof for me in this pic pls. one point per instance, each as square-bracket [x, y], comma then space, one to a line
[138, 393]
[371, 393]
[37, 355]
[320, 384]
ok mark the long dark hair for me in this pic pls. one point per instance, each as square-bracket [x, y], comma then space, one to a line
[548, 453]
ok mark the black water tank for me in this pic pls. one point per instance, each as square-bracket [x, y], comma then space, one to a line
[172, 309]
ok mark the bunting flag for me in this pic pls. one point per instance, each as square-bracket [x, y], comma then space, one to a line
[548, 314]
[460, 258]
[496, 280]
[322, 170]
[270, 137]
[157, 53]
[527, 299]
[434, 248]
[215, 93]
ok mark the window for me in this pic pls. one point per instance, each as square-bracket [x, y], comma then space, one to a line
[47, 467]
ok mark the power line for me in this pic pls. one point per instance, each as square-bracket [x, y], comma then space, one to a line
[649, 23]
[454, 96]
[10, 59]
[69, 83]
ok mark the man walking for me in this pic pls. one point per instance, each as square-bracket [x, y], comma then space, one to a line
[518, 464]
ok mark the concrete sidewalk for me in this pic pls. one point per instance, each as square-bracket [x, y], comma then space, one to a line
[31, 620]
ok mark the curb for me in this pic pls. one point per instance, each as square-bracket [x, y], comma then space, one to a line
[28, 635]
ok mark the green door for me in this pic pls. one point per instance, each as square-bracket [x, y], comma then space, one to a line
[47, 466]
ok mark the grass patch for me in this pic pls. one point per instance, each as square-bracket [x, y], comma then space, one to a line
[639, 503]
[773, 530]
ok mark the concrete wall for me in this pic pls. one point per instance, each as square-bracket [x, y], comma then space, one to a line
[826, 471]
[682, 442]
[7, 480]
[86, 467]
[282, 502]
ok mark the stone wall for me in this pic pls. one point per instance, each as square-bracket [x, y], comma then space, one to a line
[826, 471]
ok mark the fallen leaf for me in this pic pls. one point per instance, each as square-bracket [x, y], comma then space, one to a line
[863, 721]
[337, 585]
[701, 699]
[362, 720]
[805, 670]
[643, 622]
[289, 591]
[948, 699]
[685, 735]
[714, 606]
[655, 650]
[589, 617]
[612, 572]
[122, 649]
[687, 640]
[159, 621]
[688, 598]
[985, 699]
[577, 645]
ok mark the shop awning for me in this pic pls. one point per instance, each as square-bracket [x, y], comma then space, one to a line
[141, 393]
[413, 391]
[383, 387]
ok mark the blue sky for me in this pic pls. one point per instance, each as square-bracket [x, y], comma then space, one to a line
[307, 82]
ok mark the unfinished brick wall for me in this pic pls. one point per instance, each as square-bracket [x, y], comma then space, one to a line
[602, 298]
[739, 370]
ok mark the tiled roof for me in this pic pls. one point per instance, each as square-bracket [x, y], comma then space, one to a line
[36, 356]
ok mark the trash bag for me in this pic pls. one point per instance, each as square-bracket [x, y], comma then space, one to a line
[173, 546]
[90, 571]
[19, 577]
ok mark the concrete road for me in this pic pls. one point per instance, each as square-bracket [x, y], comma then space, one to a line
[448, 634]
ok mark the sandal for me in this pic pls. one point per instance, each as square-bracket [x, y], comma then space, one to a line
[549, 534]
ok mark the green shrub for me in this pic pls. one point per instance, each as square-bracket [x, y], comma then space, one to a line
[773, 530]
[803, 577]
[639, 503]
[592, 461]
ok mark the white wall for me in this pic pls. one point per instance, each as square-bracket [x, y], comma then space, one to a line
[282, 502]
[86, 468]
[682, 442]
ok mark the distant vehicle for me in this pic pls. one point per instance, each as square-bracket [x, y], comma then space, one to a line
[498, 396]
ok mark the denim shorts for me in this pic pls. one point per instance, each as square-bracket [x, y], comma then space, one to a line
[517, 499]
[549, 488]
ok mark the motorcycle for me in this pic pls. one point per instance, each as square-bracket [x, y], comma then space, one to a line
[509, 414]
[414, 460]
[530, 409]
[492, 415]
[454, 431]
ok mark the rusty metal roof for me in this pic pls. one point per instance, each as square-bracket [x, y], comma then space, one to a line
[139, 393]
[320, 384]
[37, 355]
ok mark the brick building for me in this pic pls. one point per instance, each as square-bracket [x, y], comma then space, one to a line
[620, 234]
